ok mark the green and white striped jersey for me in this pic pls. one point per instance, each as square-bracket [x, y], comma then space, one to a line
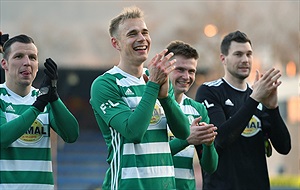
[144, 165]
[26, 163]
[183, 160]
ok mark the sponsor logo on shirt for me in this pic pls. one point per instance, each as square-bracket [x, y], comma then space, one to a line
[35, 132]
[108, 104]
[157, 114]
[253, 127]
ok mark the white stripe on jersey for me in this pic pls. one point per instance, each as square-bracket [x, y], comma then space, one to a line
[130, 80]
[148, 172]
[44, 142]
[146, 148]
[181, 173]
[43, 117]
[17, 99]
[187, 152]
[214, 83]
[132, 101]
[189, 110]
[161, 124]
[115, 163]
[25, 165]
[27, 186]
[125, 82]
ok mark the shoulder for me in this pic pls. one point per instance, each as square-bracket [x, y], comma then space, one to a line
[210, 87]
[187, 101]
[215, 83]
[34, 91]
[108, 77]
[3, 90]
[190, 101]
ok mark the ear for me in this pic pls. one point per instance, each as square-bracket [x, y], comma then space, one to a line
[4, 64]
[115, 43]
[222, 58]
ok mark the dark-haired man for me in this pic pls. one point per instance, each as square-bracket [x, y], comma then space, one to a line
[247, 118]
[26, 116]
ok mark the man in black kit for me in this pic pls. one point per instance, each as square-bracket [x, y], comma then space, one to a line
[246, 117]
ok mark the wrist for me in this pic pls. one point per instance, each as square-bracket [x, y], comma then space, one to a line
[54, 95]
[185, 142]
[40, 105]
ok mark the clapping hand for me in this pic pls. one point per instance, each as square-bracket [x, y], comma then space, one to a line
[160, 67]
[265, 88]
[43, 94]
[3, 39]
[201, 133]
[52, 74]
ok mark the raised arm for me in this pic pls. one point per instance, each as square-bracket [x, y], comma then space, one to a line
[14, 129]
[63, 122]
[61, 119]
[228, 130]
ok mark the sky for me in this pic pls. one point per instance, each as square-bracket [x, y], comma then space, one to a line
[75, 33]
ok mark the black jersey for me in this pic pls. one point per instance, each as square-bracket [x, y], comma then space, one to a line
[243, 125]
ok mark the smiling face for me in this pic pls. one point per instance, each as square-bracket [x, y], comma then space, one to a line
[238, 62]
[183, 76]
[133, 41]
[21, 67]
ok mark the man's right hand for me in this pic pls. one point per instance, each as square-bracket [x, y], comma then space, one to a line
[160, 67]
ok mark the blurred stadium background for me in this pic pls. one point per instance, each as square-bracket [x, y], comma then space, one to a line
[75, 34]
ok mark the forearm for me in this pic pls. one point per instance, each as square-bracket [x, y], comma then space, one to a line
[14, 129]
[280, 136]
[176, 145]
[231, 129]
[126, 122]
[63, 122]
[209, 159]
[177, 121]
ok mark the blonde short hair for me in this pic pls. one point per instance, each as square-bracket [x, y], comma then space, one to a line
[127, 13]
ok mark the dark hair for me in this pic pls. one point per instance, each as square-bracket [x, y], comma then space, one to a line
[20, 38]
[183, 49]
[236, 36]
[127, 13]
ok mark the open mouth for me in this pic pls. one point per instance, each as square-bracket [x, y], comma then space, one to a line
[25, 73]
[182, 83]
[139, 48]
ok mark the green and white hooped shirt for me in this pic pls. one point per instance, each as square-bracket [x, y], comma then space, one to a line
[145, 165]
[26, 163]
[183, 160]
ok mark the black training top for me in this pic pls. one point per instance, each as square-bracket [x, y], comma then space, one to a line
[243, 125]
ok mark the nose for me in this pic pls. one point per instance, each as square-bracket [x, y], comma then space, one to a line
[245, 58]
[185, 75]
[141, 37]
[26, 60]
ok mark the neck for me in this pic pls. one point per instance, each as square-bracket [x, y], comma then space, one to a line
[132, 69]
[237, 83]
[20, 90]
[178, 97]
